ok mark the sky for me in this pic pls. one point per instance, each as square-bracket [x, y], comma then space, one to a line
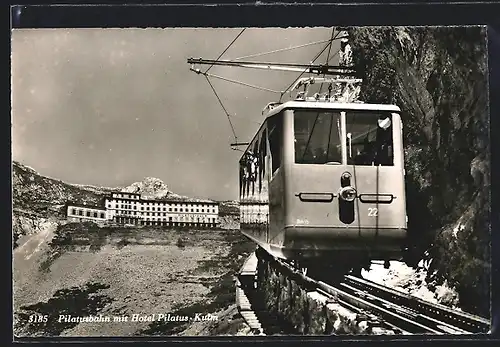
[108, 107]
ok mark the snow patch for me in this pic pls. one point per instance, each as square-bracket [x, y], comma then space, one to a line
[457, 228]
[411, 281]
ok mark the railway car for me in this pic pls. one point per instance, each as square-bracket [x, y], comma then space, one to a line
[323, 183]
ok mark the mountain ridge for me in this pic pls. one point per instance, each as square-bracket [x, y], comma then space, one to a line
[38, 193]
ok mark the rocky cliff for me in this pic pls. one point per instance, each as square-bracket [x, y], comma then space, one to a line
[38, 199]
[33, 192]
[438, 76]
[154, 188]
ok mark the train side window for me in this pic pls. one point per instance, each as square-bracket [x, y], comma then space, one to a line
[317, 137]
[275, 126]
[263, 153]
[369, 138]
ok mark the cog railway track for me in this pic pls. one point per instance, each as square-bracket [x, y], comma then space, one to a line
[382, 307]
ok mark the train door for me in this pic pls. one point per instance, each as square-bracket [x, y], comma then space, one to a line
[374, 159]
[276, 185]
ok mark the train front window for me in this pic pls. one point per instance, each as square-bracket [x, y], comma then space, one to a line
[317, 137]
[369, 138]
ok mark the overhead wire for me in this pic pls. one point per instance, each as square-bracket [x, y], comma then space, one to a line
[310, 64]
[215, 92]
[328, 55]
[220, 55]
[329, 46]
[241, 83]
[281, 50]
[317, 115]
[227, 113]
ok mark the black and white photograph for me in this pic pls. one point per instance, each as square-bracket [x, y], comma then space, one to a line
[250, 181]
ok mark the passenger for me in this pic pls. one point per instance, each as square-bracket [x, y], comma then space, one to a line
[384, 141]
[304, 154]
[367, 155]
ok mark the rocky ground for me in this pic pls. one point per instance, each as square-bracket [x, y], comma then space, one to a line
[84, 270]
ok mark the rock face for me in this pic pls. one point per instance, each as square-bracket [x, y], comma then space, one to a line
[438, 76]
[33, 192]
[37, 198]
[154, 189]
[150, 188]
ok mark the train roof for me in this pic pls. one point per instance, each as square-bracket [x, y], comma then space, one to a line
[332, 105]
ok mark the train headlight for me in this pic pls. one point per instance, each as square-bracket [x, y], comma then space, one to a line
[346, 176]
[348, 193]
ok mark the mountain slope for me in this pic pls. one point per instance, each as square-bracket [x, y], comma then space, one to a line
[33, 192]
[37, 198]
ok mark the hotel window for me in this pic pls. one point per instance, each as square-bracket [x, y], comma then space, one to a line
[197, 210]
[142, 208]
[73, 211]
[80, 212]
[169, 219]
[152, 209]
[175, 210]
[202, 210]
[95, 214]
[147, 208]
[164, 209]
[88, 213]
[170, 209]
[102, 215]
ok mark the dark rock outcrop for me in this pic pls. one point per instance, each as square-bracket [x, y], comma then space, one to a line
[438, 76]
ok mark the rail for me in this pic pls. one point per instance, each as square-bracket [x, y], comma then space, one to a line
[462, 321]
[386, 307]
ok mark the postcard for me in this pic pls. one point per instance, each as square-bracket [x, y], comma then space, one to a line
[250, 181]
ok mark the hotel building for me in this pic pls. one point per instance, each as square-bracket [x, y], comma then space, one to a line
[130, 208]
[77, 212]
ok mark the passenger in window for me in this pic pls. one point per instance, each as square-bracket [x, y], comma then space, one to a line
[384, 141]
[304, 154]
[367, 155]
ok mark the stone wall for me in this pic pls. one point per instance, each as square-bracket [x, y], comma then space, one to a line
[296, 303]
